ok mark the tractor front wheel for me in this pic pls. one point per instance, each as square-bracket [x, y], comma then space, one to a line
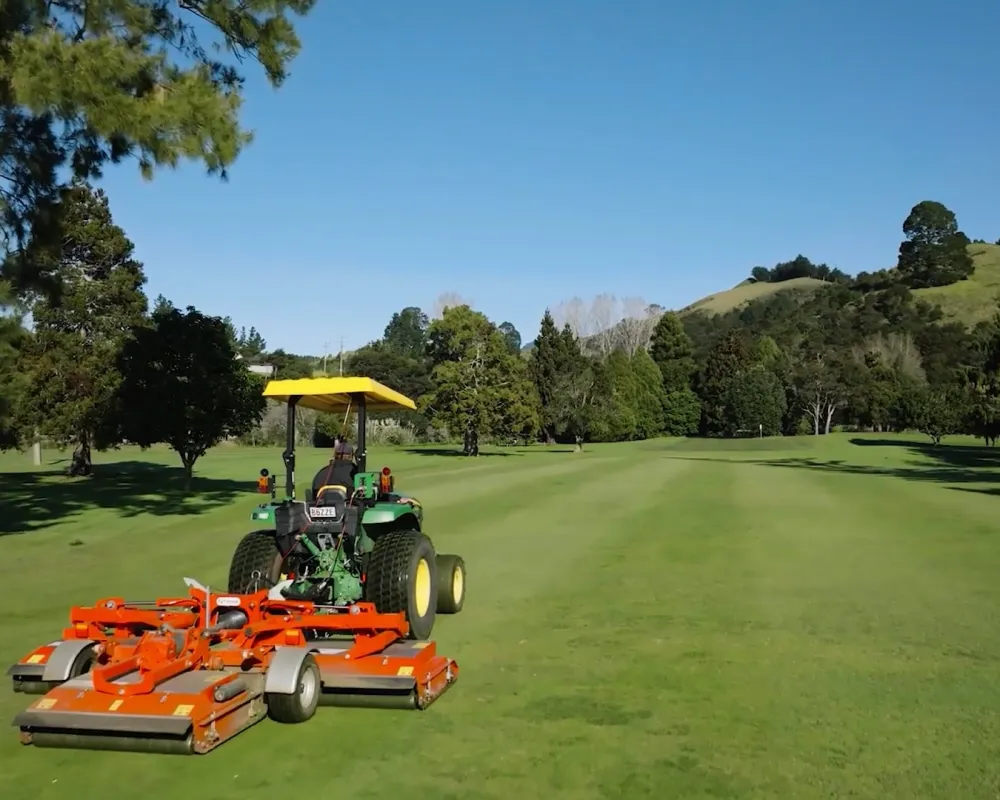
[402, 576]
[256, 563]
[451, 584]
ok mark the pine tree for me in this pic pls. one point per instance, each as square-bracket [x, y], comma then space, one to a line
[546, 366]
[673, 352]
[95, 303]
[730, 355]
[84, 84]
[13, 338]
[650, 396]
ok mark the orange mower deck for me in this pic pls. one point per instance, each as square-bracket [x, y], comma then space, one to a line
[184, 675]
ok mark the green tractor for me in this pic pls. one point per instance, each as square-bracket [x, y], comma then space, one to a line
[346, 544]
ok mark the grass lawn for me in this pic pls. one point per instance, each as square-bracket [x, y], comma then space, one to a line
[973, 300]
[670, 619]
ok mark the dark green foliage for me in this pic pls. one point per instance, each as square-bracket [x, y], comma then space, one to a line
[182, 385]
[479, 388]
[329, 426]
[250, 344]
[405, 369]
[406, 374]
[576, 388]
[681, 413]
[582, 401]
[938, 412]
[511, 336]
[650, 396]
[551, 363]
[934, 252]
[799, 267]
[754, 403]
[731, 355]
[620, 422]
[406, 333]
[13, 338]
[673, 352]
[84, 84]
[288, 366]
[94, 301]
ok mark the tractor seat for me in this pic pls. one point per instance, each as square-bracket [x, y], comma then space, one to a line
[333, 494]
[327, 511]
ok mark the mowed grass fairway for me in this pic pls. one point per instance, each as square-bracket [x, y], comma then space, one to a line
[757, 619]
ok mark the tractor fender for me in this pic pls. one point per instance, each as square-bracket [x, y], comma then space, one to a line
[283, 671]
[59, 667]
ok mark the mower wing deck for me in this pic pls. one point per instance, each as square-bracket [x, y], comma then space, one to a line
[162, 680]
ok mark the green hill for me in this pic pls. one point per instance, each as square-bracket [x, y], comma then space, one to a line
[966, 301]
[973, 300]
[743, 293]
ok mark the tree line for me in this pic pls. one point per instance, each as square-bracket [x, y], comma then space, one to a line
[862, 353]
[99, 365]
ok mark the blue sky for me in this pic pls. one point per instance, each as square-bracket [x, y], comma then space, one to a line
[521, 152]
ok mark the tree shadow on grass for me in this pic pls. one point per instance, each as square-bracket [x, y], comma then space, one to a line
[958, 456]
[943, 464]
[491, 453]
[31, 501]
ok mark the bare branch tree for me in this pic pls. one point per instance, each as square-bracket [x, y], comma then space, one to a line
[605, 314]
[897, 351]
[820, 393]
[639, 320]
[573, 313]
[448, 300]
[607, 323]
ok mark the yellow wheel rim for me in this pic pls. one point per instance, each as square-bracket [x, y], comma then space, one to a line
[457, 584]
[422, 587]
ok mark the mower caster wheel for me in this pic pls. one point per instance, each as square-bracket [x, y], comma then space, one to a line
[450, 584]
[300, 706]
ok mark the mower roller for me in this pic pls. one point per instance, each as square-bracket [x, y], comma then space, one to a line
[354, 537]
[183, 675]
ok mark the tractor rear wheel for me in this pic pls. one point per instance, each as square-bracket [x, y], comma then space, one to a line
[451, 584]
[402, 576]
[256, 563]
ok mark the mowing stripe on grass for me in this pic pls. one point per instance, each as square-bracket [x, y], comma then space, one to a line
[545, 575]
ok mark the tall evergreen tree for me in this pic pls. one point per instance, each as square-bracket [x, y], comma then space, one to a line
[80, 328]
[650, 396]
[673, 352]
[13, 338]
[546, 365]
[731, 354]
[406, 333]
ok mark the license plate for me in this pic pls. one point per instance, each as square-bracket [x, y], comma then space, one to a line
[324, 512]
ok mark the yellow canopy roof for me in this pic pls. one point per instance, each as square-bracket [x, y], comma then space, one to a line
[334, 394]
